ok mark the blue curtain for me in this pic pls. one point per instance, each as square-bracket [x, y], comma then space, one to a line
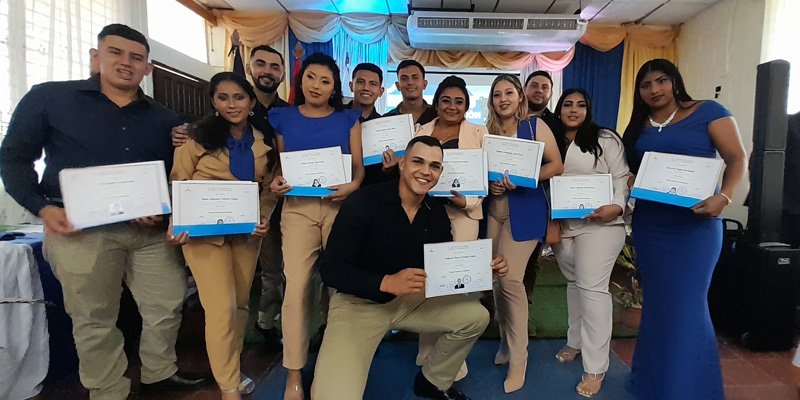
[599, 73]
[309, 48]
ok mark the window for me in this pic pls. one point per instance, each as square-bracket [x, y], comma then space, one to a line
[478, 85]
[175, 26]
[780, 42]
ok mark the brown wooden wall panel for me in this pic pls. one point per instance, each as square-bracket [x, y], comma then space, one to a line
[182, 93]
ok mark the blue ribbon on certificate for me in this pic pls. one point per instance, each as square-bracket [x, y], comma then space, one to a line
[378, 158]
[664, 197]
[515, 179]
[214, 229]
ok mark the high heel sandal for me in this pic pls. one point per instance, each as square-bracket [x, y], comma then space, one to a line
[590, 384]
[294, 391]
[567, 354]
[516, 377]
[246, 385]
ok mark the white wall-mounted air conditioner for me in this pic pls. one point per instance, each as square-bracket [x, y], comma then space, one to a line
[533, 33]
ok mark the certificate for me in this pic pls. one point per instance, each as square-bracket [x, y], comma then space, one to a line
[458, 267]
[311, 172]
[576, 196]
[676, 179]
[386, 133]
[464, 170]
[208, 208]
[108, 194]
[521, 159]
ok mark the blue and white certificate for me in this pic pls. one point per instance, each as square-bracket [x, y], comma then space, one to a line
[385, 133]
[464, 170]
[521, 159]
[311, 172]
[209, 208]
[576, 196]
[108, 194]
[676, 179]
[458, 267]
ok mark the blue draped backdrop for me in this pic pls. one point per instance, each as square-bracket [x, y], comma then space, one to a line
[599, 73]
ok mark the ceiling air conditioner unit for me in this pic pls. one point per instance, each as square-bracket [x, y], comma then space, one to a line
[533, 33]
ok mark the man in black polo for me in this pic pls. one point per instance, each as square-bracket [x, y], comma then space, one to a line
[538, 91]
[104, 120]
[374, 260]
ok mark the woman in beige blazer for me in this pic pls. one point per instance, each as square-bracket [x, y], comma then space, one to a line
[589, 247]
[451, 102]
[225, 147]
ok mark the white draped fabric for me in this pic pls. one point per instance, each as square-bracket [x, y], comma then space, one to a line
[24, 348]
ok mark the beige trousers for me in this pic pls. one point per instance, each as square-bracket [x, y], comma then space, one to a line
[305, 225]
[463, 228]
[510, 298]
[356, 327]
[91, 266]
[224, 273]
[586, 260]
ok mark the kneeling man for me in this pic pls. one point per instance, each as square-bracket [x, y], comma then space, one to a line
[374, 260]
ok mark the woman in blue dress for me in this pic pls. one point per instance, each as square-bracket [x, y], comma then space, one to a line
[676, 353]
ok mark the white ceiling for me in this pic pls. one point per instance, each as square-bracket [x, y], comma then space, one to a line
[655, 12]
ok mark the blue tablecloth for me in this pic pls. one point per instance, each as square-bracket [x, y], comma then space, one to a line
[63, 358]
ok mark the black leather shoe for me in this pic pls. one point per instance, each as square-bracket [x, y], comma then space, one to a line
[423, 388]
[174, 383]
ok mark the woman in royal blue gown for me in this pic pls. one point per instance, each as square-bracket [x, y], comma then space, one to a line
[676, 355]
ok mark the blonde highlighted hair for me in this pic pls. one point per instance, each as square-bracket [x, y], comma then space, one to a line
[493, 121]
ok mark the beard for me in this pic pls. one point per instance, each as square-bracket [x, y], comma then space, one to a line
[270, 88]
[536, 107]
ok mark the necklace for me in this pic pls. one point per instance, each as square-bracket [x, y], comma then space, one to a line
[660, 126]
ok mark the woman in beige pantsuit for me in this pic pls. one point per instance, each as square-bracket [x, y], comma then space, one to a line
[589, 246]
[451, 102]
[517, 220]
[225, 147]
[318, 120]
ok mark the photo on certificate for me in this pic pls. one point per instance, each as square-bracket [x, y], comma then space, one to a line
[520, 159]
[576, 196]
[311, 172]
[385, 133]
[458, 267]
[211, 208]
[464, 170]
[676, 179]
[108, 194]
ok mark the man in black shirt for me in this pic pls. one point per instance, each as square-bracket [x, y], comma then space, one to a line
[538, 91]
[103, 120]
[374, 260]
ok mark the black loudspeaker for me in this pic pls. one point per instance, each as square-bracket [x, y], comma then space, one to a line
[765, 208]
[769, 300]
[772, 91]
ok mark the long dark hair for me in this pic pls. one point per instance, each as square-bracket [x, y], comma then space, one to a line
[641, 110]
[587, 136]
[336, 100]
[213, 130]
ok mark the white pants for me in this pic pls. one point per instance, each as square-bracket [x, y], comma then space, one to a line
[586, 260]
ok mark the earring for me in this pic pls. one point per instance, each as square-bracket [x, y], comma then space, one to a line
[251, 113]
[677, 91]
[216, 113]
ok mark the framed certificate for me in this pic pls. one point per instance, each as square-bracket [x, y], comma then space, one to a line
[209, 208]
[464, 170]
[385, 133]
[676, 179]
[521, 159]
[576, 196]
[458, 267]
[311, 172]
[108, 194]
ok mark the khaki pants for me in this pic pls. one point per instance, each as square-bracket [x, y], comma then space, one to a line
[586, 260]
[91, 266]
[510, 298]
[224, 273]
[305, 225]
[463, 228]
[356, 327]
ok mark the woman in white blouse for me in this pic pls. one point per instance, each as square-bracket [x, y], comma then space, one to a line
[589, 246]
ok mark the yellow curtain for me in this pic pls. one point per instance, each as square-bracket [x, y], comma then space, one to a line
[642, 43]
